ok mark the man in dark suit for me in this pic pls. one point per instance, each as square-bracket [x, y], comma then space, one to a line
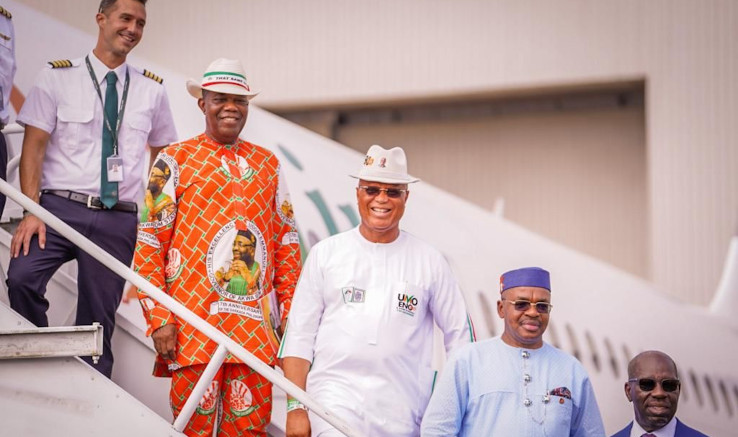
[653, 387]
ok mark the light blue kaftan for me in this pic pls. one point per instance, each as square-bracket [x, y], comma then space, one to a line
[492, 389]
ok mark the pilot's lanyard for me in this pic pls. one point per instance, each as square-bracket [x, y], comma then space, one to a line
[121, 111]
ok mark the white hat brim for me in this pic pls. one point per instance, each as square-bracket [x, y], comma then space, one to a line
[195, 89]
[386, 179]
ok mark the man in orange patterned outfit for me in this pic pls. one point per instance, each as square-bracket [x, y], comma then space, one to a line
[228, 215]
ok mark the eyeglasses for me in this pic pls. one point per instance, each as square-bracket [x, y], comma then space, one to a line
[524, 305]
[648, 384]
[393, 193]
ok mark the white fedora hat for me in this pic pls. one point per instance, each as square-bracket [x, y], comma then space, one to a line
[385, 166]
[225, 76]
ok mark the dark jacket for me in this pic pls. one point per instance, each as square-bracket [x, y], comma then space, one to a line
[682, 430]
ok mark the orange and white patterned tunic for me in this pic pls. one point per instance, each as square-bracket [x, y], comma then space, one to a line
[229, 242]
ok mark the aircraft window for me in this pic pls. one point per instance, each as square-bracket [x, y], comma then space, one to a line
[726, 398]
[697, 391]
[611, 358]
[573, 341]
[711, 392]
[553, 335]
[487, 312]
[593, 350]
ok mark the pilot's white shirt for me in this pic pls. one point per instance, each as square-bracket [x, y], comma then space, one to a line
[7, 65]
[363, 314]
[64, 103]
[667, 430]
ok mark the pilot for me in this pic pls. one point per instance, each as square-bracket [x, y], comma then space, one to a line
[75, 116]
[653, 387]
[515, 384]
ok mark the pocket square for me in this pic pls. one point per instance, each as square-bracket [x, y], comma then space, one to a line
[562, 392]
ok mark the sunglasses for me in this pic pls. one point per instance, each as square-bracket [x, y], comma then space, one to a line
[524, 305]
[648, 384]
[394, 193]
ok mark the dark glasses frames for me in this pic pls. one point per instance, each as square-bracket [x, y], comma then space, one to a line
[393, 193]
[648, 384]
[524, 305]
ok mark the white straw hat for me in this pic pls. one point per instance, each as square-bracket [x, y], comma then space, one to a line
[385, 166]
[225, 76]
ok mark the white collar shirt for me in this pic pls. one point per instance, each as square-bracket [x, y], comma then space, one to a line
[667, 430]
[101, 70]
[64, 103]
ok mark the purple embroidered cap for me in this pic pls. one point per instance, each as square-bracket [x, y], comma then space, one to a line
[525, 277]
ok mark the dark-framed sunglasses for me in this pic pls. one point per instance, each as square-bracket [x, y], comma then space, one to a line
[394, 193]
[649, 384]
[524, 305]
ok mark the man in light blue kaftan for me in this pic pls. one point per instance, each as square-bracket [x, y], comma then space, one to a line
[516, 384]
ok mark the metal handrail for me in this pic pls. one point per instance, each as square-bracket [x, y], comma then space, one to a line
[177, 308]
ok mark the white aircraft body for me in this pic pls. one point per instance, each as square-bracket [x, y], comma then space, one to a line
[601, 314]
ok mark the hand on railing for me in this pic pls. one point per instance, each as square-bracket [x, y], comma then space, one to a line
[27, 228]
[165, 341]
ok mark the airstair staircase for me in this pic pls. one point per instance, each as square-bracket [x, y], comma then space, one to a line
[49, 391]
[47, 394]
[64, 396]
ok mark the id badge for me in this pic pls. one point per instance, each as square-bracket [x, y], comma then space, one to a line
[115, 168]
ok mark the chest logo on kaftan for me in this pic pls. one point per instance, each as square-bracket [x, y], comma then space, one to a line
[243, 167]
[236, 262]
[353, 295]
[407, 304]
[158, 207]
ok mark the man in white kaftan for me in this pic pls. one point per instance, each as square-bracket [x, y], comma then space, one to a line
[363, 313]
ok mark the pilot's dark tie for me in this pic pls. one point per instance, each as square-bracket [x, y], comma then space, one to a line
[648, 434]
[109, 190]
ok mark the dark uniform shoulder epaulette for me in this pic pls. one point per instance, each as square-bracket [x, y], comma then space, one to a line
[62, 63]
[6, 13]
[152, 76]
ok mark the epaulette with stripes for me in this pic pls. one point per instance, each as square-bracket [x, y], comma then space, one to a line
[62, 63]
[152, 76]
[6, 13]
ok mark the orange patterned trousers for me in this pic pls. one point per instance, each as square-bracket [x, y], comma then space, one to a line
[238, 401]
